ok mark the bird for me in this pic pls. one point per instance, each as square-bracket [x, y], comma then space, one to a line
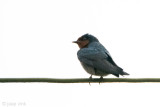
[95, 58]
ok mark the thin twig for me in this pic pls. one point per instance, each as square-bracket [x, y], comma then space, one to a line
[78, 80]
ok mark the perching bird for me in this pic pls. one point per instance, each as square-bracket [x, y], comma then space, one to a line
[95, 59]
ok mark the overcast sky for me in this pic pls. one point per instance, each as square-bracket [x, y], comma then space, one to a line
[36, 41]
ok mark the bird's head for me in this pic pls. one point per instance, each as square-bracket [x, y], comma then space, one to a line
[85, 39]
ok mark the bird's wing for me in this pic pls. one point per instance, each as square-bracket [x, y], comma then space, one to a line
[109, 58]
[98, 59]
[100, 47]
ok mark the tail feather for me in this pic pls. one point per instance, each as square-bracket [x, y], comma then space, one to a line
[124, 73]
[120, 72]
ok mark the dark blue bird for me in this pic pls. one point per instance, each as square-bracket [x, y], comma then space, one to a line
[95, 59]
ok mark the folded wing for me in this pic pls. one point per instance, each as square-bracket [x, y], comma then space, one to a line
[100, 60]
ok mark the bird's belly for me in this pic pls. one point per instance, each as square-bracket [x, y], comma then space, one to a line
[93, 71]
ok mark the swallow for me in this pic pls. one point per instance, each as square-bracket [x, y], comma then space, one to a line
[95, 58]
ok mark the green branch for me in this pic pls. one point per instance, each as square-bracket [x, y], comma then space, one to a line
[81, 80]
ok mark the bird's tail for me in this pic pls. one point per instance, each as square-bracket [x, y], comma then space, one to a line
[120, 72]
[124, 73]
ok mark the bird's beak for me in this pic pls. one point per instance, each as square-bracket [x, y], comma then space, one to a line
[75, 41]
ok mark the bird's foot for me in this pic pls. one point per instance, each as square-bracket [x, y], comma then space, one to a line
[90, 79]
[100, 79]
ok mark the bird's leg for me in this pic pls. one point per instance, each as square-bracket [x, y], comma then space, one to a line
[90, 79]
[100, 79]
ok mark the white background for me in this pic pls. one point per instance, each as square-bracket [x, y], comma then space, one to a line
[36, 41]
